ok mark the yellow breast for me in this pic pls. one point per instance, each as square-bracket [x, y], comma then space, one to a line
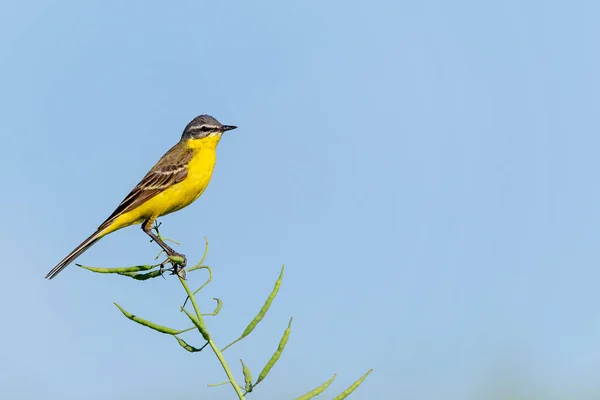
[180, 195]
[200, 171]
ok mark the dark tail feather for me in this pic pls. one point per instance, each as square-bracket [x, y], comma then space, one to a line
[87, 243]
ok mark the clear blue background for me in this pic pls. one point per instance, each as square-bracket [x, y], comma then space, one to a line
[426, 170]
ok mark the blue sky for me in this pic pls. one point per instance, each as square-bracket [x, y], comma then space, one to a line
[427, 171]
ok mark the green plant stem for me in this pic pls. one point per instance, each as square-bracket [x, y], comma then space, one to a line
[212, 344]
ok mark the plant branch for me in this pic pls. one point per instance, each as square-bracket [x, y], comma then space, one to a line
[212, 344]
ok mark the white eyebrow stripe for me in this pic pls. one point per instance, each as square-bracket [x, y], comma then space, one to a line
[197, 127]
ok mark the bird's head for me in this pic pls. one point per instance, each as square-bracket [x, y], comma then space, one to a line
[204, 126]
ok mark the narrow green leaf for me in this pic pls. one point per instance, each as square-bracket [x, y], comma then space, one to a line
[247, 377]
[317, 391]
[347, 392]
[151, 325]
[276, 355]
[118, 270]
[199, 324]
[262, 311]
[188, 347]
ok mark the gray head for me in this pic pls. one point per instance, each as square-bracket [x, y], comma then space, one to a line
[203, 126]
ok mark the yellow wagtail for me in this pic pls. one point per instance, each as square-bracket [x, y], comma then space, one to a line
[177, 179]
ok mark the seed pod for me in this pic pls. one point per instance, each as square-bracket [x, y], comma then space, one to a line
[347, 392]
[276, 355]
[317, 391]
[151, 325]
[262, 311]
[199, 324]
[247, 377]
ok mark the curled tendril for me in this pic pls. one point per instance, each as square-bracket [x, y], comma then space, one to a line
[217, 309]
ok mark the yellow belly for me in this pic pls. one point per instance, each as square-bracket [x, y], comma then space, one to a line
[178, 196]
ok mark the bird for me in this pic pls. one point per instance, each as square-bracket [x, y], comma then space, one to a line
[178, 178]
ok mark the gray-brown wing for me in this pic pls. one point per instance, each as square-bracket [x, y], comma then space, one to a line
[169, 170]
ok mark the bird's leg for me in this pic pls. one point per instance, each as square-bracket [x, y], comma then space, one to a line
[178, 267]
[162, 269]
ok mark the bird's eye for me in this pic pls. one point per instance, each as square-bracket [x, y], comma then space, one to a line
[205, 128]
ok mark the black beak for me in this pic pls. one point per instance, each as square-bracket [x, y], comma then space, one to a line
[228, 127]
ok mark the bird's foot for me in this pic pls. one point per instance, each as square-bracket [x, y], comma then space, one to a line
[178, 261]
